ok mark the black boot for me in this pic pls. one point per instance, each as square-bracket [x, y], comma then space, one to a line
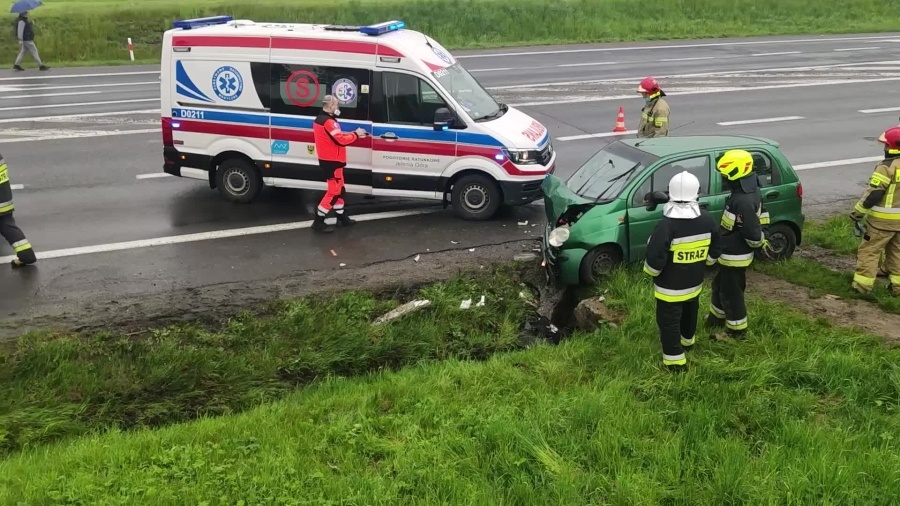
[18, 68]
[319, 225]
[345, 221]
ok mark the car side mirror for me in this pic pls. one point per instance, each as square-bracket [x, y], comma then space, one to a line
[654, 199]
[443, 119]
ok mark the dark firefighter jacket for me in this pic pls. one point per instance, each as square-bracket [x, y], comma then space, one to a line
[678, 253]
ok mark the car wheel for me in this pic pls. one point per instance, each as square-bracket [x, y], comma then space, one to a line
[238, 180]
[782, 242]
[598, 263]
[476, 197]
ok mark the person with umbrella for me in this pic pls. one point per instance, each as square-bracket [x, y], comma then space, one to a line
[25, 32]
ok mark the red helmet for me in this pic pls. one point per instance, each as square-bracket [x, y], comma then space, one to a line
[891, 139]
[648, 85]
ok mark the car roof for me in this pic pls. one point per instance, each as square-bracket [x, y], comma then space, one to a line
[673, 145]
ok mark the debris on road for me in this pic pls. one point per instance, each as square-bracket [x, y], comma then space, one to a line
[454, 242]
[403, 310]
[480, 302]
[525, 257]
[471, 250]
[523, 223]
[333, 253]
[831, 297]
[417, 258]
[528, 298]
[343, 264]
[591, 314]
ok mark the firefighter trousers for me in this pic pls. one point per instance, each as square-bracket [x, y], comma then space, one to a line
[677, 322]
[727, 304]
[16, 238]
[868, 256]
[334, 195]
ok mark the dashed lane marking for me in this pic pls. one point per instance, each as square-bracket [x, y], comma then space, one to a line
[760, 120]
[85, 115]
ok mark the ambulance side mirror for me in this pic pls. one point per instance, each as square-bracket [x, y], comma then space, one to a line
[654, 199]
[443, 119]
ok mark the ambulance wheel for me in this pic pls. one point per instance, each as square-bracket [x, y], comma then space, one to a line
[783, 242]
[599, 262]
[476, 197]
[238, 180]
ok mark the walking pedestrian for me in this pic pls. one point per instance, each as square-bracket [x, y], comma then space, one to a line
[25, 36]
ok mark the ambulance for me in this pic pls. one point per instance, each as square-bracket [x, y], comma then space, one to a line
[239, 99]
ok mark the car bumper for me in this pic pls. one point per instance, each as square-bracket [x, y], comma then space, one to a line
[561, 266]
[517, 193]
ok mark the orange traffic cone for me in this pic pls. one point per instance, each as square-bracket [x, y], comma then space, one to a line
[620, 121]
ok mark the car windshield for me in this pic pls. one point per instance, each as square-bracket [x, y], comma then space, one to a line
[468, 93]
[609, 171]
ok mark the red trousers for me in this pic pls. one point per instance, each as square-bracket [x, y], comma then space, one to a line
[334, 195]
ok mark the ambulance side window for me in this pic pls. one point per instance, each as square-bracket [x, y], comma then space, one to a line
[408, 100]
[300, 90]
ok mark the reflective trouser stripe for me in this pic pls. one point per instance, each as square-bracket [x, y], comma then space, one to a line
[688, 342]
[322, 211]
[679, 359]
[669, 295]
[718, 313]
[736, 260]
[22, 245]
[864, 281]
[650, 270]
[736, 324]
[895, 280]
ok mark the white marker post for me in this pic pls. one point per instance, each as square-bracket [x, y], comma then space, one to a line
[130, 49]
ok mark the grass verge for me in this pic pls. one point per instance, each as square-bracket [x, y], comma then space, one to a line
[74, 30]
[835, 234]
[802, 413]
[61, 386]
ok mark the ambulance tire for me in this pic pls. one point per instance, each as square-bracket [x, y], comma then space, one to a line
[238, 180]
[476, 197]
[599, 262]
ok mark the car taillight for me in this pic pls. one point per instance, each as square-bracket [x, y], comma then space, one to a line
[167, 137]
[800, 190]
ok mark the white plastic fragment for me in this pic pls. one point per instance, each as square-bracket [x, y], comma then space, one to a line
[466, 304]
[403, 310]
[480, 302]
[417, 258]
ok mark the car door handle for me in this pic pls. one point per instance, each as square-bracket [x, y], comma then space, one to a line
[772, 195]
[390, 136]
[704, 205]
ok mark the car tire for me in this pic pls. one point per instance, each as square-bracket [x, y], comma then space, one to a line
[599, 262]
[476, 197]
[783, 241]
[238, 181]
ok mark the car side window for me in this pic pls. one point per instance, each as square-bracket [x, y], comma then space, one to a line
[659, 180]
[764, 166]
[410, 100]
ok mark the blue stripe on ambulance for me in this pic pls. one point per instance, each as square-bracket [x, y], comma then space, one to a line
[185, 86]
[421, 134]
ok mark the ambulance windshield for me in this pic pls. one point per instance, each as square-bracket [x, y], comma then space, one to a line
[468, 93]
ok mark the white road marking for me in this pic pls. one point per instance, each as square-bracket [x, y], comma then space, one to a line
[85, 115]
[51, 95]
[55, 135]
[761, 120]
[675, 46]
[78, 104]
[492, 70]
[207, 236]
[776, 54]
[153, 175]
[17, 186]
[79, 76]
[856, 48]
[876, 111]
[580, 100]
[587, 64]
[594, 136]
[699, 74]
[43, 87]
[690, 59]
[838, 163]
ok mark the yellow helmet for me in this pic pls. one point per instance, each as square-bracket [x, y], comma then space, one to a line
[735, 164]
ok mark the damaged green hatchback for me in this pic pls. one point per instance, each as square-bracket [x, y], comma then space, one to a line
[604, 213]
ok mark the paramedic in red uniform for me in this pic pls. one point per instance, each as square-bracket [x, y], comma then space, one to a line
[331, 149]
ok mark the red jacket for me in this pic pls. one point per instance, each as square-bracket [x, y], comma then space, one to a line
[330, 141]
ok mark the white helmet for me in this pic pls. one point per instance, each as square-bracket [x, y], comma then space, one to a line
[684, 187]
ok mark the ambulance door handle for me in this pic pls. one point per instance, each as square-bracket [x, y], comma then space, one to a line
[389, 136]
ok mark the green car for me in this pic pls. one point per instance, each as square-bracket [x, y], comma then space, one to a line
[605, 212]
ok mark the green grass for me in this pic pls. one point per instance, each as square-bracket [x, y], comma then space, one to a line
[802, 413]
[55, 387]
[73, 31]
[835, 234]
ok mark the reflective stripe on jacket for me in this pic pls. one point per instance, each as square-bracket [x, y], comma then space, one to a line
[879, 201]
[677, 255]
[654, 119]
[744, 222]
[6, 203]
[331, 142]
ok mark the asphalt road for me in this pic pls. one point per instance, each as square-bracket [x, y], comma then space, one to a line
[84, 150]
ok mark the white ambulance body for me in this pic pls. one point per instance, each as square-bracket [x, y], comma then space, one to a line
[239, 99]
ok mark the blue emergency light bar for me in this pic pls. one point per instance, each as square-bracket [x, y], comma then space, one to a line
[382, 28]
[187, 24]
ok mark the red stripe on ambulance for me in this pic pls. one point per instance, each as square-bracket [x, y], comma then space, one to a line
[337, 46]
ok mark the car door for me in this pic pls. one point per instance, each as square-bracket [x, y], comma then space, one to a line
[777, 199]
[408, 154]
[641, 222]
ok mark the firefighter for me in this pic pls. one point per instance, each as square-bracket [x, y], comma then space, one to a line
[744, 224]
[331, 149]
[655, 114]
[882, 214]
[682, 245]
[8, 229]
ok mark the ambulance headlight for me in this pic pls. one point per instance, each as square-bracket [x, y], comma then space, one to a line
[522, 156]
[558, 236]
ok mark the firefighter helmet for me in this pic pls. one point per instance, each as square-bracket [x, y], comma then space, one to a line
[891, 140]
[648, 85]
[684, 187]
[735, 164]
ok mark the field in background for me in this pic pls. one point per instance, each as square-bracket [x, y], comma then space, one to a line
[91, 31]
